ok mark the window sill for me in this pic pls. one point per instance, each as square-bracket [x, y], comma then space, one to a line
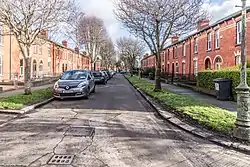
[209, 50]
[238, 44]
[195, 52]
[217, 48]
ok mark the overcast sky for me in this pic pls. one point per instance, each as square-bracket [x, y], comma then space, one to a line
[104, 10]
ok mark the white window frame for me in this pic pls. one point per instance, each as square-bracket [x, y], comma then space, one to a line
[217, 39]
[195, 67]
[183, 68]
[49, 66]
[40, 49]
[183, 49]
[21, 67]
[209, 41]
[176, 68]
[49, 51]
[195, 45]
[238, 32]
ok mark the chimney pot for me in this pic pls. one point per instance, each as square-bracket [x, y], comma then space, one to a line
[202, 24]
[65, 43]
[174, 39]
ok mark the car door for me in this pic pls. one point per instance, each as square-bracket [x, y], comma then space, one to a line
[91, 81]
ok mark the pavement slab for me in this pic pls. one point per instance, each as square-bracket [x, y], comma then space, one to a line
[127, 132]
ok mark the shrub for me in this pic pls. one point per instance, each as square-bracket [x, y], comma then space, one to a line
[148, 70]
[205, 79]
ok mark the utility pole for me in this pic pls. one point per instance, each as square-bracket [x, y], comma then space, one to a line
[242, 129]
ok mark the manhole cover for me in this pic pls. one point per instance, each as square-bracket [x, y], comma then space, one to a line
[80, 131]
[61, 160]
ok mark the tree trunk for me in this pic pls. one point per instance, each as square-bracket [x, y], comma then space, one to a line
[27, 76]
[158, 73]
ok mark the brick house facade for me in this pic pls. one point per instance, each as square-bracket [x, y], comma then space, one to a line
[47, 58]
[212, 47]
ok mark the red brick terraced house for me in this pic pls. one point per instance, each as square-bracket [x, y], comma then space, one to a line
[211, 47]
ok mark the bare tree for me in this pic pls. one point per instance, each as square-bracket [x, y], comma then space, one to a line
[71, 28]
[130, 51]
[107, 52]
[26, 19]
[93, 33]
[155, 21]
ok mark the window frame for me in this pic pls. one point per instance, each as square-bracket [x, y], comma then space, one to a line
[217, 39]
[209, 41]
[195, 45]
[238, 32]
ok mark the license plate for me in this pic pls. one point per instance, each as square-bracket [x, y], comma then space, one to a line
[68, 91]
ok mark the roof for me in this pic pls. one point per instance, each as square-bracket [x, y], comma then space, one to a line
[238, 13]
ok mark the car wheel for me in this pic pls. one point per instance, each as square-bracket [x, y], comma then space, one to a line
[87, 94]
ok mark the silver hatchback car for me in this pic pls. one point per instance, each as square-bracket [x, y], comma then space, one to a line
[74, 83]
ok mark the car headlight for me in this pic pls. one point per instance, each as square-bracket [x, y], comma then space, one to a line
[56, 85]
[82, 84]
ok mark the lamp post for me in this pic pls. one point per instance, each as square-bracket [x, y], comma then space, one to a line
[242, 129]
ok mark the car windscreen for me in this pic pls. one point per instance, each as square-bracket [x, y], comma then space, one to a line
[97, 74]
[74, 75]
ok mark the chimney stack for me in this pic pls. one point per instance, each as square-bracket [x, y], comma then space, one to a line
[174, 39]
[44, 34]
[65, 43]
[76, 49]
[202, 24]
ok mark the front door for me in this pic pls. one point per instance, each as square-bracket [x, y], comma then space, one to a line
[172, 76]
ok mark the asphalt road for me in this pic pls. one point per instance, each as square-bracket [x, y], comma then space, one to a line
[114, 128]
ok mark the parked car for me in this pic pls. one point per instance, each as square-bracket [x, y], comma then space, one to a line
[112, 72]
[74, 83]
[106, 74]
[100, 77]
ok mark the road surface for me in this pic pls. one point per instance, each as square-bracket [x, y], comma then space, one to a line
[114, 128]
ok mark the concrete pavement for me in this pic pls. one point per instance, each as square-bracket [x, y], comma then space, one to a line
[114, 128]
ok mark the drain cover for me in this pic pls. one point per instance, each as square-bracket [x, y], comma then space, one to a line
[80, 131]
[61, 160]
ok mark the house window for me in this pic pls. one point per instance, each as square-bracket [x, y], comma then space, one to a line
[21, 67]
[177, 68]
[218, 63]
[168, 54]
[40, 49]
[35, 49]
[49, 66]
[183, 68]
[1, 35]
[176, 52]
[183, 50]
[41, 66]
[207, 64]
[34, 67]
[1, 65]
[195, 67]
[168, 68]
[209, 38]
[239, 32]
[195, 45]
[49, 54]
[217, 39]
[173, 52]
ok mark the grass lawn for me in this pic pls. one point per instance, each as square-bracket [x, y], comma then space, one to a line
[212, 117]
[18, 101]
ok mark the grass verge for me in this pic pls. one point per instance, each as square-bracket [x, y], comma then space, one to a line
[205, 114]
[18, 101]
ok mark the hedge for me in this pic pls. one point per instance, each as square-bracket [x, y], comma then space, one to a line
[205, 79]
[148, 70]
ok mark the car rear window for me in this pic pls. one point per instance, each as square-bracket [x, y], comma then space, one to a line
[97, 74]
